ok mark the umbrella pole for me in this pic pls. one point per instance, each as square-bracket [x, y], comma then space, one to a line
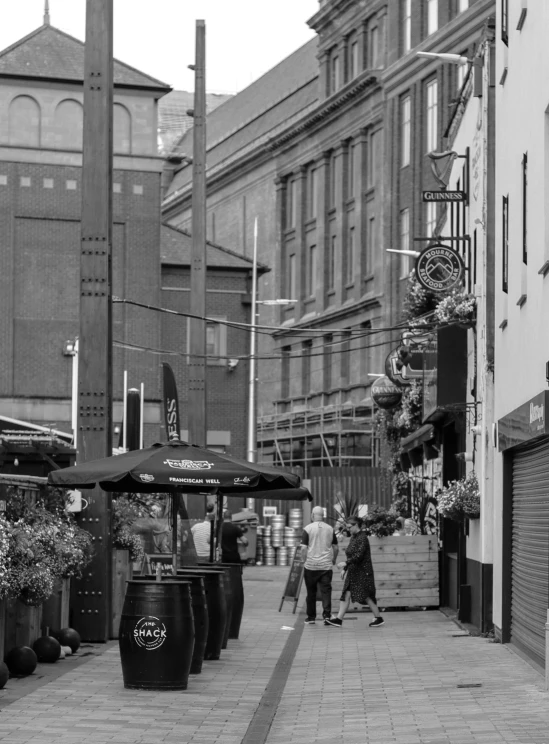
[175, 510]
[219, 524]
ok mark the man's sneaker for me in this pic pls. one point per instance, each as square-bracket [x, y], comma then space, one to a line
[335, 621]
[377, 621]
[309, 621]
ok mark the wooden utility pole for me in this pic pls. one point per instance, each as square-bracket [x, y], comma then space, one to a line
[91, 596]
[197, 342]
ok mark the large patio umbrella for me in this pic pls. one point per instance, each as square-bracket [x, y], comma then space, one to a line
[181, 467]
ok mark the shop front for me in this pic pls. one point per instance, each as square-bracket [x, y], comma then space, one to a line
[523, 439]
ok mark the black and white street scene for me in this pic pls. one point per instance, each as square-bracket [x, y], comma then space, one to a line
[274, 372]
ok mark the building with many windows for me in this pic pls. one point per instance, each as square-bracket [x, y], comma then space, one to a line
[329, 150]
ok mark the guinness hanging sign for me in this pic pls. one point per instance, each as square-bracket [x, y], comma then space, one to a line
[385, 393]
[439, 268]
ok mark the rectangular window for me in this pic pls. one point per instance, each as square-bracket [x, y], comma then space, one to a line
[525, 208]
[334, 72]
[350, 268]
[374, 47]
[463, 5]
[351, 172]
[312, 193]
[353, 57]
[216, 342]
[292, 277]
[406, 25]
[405, 130]
[430, 219]
[432, 16]
[505, 21]
[346, 358]
[405, 261]
[327, 362]
[306, 350]
[331, 262]
[332, 181]
[285, 372]
[373, 160]
[365, 350]
[370, 246]
[311, 271]
[291, 203]
[432, 116]
[505, 244]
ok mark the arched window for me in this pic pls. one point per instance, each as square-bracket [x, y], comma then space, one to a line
[122, 129]
[69, 122]
[24, 122]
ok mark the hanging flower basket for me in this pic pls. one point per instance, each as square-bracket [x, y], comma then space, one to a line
[458, 307]
[460, 499]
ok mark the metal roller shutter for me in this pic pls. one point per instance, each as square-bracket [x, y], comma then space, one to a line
[530, 549]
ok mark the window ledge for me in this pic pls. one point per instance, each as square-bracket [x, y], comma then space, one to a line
[544, 269]
[522, 300]
[503, 324]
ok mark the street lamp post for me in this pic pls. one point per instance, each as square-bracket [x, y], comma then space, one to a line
[252, 379]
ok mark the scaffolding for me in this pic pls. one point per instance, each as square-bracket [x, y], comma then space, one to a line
[334, 435]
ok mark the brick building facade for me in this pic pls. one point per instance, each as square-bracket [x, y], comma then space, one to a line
[329, 148]
[41, 125]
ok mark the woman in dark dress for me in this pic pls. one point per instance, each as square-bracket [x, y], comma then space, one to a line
[358, 575]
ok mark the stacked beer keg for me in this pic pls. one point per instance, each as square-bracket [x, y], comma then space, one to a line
[276, 542]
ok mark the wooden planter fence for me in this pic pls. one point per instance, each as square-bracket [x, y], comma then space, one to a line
[405, 570]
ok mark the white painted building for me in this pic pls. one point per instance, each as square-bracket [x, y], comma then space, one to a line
[521, 524]
[470, 136]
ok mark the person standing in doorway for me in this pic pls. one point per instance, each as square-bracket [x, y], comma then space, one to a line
[319, 552]
[358, 575]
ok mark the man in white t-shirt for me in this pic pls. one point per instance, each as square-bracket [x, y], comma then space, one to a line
[319, 552]
[202, 534]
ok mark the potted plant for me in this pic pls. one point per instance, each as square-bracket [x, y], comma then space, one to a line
[128, 548]
[460, 499]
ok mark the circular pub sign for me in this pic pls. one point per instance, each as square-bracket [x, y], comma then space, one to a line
[385, 393]
[439, 268]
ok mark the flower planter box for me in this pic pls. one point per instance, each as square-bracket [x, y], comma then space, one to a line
[122, 571]
[55, 610]
[23, 624]
[405, 570]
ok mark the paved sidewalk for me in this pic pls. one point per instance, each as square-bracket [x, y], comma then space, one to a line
[407, 682]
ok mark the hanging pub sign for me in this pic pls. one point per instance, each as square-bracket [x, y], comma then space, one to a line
[395, 369]
[385, 393]
[444, 196]
[439, 268]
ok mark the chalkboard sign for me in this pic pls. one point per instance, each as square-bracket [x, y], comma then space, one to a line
[295, 579]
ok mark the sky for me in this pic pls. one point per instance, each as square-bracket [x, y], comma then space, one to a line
[244, 38]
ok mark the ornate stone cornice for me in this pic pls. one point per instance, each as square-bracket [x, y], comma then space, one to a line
[335, 102]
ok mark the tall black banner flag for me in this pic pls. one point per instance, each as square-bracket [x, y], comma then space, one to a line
[171, 404]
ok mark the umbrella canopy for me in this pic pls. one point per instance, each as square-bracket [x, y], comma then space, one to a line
[178, 466]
